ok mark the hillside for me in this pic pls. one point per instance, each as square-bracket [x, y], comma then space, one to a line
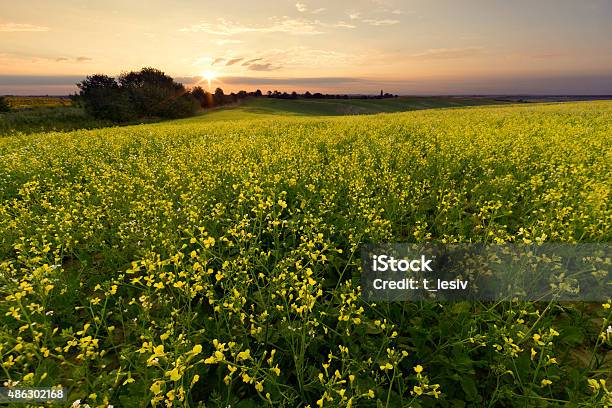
[256, 107]
[39, 114]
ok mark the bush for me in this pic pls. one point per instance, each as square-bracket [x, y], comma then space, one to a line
[104, 99]
[138, 94]
[203, 97]
[4, 106]
[155, 94]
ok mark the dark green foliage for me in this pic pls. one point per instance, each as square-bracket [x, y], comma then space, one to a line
[148, 93]
[203, 97]
[219, 96]
[155, 94]
[48, 119]
[4, 106]
[104, 99]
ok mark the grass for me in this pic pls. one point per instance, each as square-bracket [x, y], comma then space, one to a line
[53, 114]
[208, 262]
[47, 119]
[259, 107]
[28, 102]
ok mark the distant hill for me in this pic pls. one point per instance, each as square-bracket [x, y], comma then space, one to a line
[256, 107]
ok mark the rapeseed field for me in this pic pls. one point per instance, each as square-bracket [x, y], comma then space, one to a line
[216, 263]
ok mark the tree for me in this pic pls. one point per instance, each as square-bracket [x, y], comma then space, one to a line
[258, 93]
[219, 96]
[203, 97]
[152, 93]
[104, 99]
[145, 93]
[4, 106]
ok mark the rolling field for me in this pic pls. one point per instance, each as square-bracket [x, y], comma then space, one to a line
[260, 107]
[55, 114]
[28, 102]
[214, 261]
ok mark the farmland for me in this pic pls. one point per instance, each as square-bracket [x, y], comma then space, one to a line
[29, 102]
[214, 261]
[47, 114]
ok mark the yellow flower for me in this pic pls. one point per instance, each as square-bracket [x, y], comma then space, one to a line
[174, 374]
[195, 379]
[244, 355]
[546, 382]
[417, 390]
[593, 384]
[259, 386]
[156, 387]
[386, 366]
[418, 369]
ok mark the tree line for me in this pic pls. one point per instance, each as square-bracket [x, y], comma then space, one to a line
[150, 93]
[318, 95]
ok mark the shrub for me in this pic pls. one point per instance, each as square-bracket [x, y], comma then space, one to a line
[104, 99]
[137, 94]
[4, 106]
[203, 97]
[152, 93]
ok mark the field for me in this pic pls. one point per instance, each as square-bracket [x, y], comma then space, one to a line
[334, 107]
[28, 102]
[52, 114]
[214, 261]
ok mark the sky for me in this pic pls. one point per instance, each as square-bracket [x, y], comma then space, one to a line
[358, 46]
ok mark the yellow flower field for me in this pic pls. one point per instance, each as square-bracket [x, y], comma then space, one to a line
[216, 263]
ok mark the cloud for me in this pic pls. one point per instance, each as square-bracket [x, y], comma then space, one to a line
[448, 53]
[277, 25]
[263, 67]
[547, 55]
[376, 22]
[225, 41]
[317, 11]
[248, 62]
[40, 79]
[301, 7]
[233, 61]
[70, 59]
[292, 81]
[357, 16]
[17, 28]
[302, 56]
[343, 24]
[271, 59]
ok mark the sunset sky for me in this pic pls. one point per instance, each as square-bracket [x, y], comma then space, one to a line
[358, 46]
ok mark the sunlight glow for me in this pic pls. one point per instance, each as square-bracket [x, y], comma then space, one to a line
[209, 76]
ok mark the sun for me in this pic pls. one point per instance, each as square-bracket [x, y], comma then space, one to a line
[209, 76]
